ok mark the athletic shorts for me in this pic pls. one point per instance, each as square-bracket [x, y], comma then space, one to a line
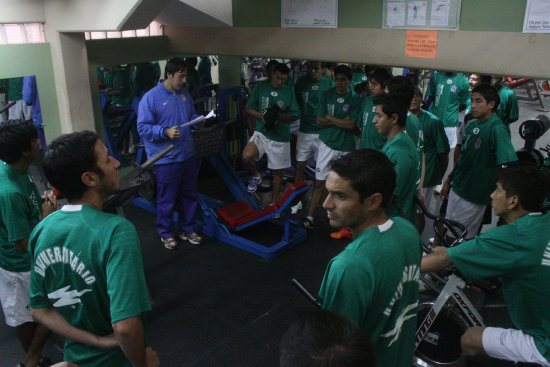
[428, 194]
[465, 212]
[451, 133]
[14, 295]
[324, 157]
[295, 127]
[307, 146]
[512, 345]
[278, 153]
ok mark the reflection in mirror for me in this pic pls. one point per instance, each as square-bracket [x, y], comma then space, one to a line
[19, 100]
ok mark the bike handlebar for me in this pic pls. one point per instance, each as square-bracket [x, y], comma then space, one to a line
[458, 230]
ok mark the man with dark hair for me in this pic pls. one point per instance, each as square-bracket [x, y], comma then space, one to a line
[308, 94]
[192, 79]
[87, 279]
[449, 93]
[275, 142]
[370, 138]
[436, 149]
[486, 144]
[374, 280]
[518, 253]
[338, 113]
[320, 338]
[162, 111]
[390, 119]
[20, 211]
[508, 109]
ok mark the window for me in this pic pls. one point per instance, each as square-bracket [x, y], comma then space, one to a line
[21, 33]
[154, 29]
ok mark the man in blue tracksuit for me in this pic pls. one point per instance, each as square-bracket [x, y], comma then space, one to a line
[161, 113]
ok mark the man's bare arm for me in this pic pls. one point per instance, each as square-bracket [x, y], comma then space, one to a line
[50, 318]
[435, 261]
[129, 335]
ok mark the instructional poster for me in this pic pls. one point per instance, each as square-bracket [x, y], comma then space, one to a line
[537, 17]
[309, 13]
[422, 14]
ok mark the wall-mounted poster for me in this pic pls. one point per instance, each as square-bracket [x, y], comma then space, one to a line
[422, 14]
[537, 17]
[309, 13]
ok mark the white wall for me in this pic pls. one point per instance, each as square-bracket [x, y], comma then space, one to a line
[22, 11]
[219, 9]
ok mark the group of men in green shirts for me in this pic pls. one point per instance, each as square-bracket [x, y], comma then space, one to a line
[374, 281]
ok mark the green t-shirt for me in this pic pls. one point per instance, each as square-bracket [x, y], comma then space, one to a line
[264, 96]
[435, 143]
[356, 79]
[121, 79]
[413, 127]
[485, 146]
[15, 89]
[508, 109]
[308, 94]
[20, 211]
[520, 254]
[374, 282]
[192, 81]
[370, 137]
[339, 106]
[87, 264]
[449, 92]
[403, 154]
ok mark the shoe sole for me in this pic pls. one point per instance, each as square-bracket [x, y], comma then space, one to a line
[193, 242]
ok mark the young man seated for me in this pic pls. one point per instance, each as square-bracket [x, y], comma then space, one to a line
[518, 252]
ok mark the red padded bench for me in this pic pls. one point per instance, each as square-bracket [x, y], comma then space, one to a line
[240, 212]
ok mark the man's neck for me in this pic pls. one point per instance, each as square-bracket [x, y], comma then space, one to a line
[485, 117]
[342, 93]
[514, 215]
[167, 86]
[21, 165]
[377, 219]
[394, 132]
[91, 198]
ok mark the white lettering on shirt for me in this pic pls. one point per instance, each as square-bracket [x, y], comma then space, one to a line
[546, 256]
[56, 255]
[411, 273]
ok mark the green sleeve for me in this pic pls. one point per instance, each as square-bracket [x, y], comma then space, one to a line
[401, 170]
[355, 109]
[38, 294]
[502, 144]
[252, 102]
[464, 92]
[322, 109]
[432, 85]
[512, 106]
[293, 107]
[347, 288]
[15, 216]
[441, 141]
[125, 276]
[490, 254]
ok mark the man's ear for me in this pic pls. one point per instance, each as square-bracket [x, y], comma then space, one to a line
[491, 105]
[513, 202]
[89, 178]
[373, 202]
[394, 118]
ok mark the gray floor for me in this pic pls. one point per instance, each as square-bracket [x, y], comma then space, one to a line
[218, 306]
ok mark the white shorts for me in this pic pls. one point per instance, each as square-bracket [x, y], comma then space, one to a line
[307, 146]
[278, 153]
[511, 345]
[428, 194]
[324, 157]
[295, 127]
[14, 295]
[465, 212]
[451, 135]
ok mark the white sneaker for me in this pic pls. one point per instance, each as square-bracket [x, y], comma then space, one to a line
[296, 208]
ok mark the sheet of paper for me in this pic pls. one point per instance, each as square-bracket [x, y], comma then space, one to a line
[416, 14]
[537, 17]
[309, 13]
[440, 12]
[421, 44]
[395, 14]
[198, 119]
